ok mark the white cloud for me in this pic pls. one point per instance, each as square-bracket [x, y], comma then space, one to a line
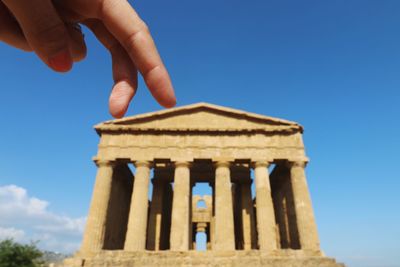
[27, 218]
[15, 234]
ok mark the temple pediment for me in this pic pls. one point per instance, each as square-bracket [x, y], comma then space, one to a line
[200, 117]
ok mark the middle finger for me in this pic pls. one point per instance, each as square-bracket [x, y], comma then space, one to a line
[124, 71]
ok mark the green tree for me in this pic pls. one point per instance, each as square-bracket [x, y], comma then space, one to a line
[13, 254]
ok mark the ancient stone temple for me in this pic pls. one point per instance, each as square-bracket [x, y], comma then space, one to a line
[259, 211]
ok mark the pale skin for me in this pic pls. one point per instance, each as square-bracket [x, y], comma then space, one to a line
[49, 28]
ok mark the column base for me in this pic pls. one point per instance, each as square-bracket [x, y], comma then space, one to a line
[254, 258]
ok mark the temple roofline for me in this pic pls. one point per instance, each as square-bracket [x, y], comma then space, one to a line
[128, 123]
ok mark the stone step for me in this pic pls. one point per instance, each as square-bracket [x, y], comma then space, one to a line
[198, 259]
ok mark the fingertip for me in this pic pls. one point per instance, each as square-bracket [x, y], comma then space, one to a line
[61, 62]
[170, 102]
[171, 99]
[165, 96]
[121, 95]
[160, 86]
[116, 114]
[117, 111]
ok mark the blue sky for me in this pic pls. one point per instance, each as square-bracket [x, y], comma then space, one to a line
[332, 66]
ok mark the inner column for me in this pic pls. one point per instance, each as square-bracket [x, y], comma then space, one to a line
[248, 220]
[118, 207]
[156, 214]
[180, 222]
[264, 208]
[224, 225]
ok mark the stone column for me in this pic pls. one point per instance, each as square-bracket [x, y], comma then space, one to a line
[209, 247]
[224, 226]
[264, 208]
[248, 222]
[212, 223]
[156, 214]
[137, 223]
[237, 215]
[304, 212]
[179, 240]
[93, 239]
[118, 207]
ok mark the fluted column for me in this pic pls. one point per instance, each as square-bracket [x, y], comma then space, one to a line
[156, 214]
[137, 223]
[264, 208]
[248, 220]
[224, 225]
[306, 225]
[179, 240]
[93, 239]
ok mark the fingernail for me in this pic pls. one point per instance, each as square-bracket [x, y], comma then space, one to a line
[61, 62]
[77, 27]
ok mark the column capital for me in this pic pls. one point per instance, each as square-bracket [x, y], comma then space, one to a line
[222, 163]
[297, 163]
[182, 163]
[104, 162]
[261, 164]
[178, 159]
[142, 163]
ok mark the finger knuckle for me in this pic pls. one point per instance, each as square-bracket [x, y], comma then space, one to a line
[105, 5]
[139, 36]
[144, 27]
[130, 42]
[52, 35]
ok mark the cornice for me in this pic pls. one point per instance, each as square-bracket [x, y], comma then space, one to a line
[132, 129]
[198, 147]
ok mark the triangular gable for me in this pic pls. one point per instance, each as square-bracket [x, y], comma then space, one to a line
[199, 117]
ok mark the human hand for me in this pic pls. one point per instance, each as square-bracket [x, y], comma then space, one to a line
[49, 28]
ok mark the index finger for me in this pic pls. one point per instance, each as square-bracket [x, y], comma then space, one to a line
[129, 29]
